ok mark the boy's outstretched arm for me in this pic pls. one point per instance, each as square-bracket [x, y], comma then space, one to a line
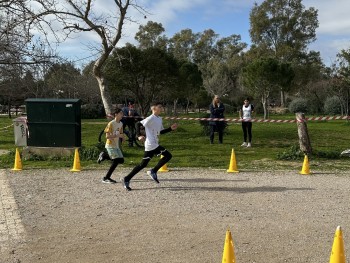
[171, 128]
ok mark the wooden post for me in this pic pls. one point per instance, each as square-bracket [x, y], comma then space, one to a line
[304, 139]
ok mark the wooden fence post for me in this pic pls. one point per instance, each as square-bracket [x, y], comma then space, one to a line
[304, 139]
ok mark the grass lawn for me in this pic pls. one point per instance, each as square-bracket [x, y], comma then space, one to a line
[191, 148]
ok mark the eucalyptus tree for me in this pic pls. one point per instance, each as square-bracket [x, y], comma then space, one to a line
[264, 76]
[182, 44]
[343, 75]
[221, 72]
[151, 35]
[62, 80]
[147, 74]
[284, 28]
[102, 21]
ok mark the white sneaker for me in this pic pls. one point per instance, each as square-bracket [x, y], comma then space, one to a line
[244, 144]
[249, 145]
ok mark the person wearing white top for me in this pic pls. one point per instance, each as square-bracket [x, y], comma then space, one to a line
[153, 127]
[246, 116]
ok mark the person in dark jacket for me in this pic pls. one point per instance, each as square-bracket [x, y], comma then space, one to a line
[217, 109]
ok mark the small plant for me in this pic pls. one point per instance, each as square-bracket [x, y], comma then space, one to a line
[293, 153]
[207, 127]
[89, 153]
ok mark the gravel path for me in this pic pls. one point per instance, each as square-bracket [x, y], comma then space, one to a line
[278, 216]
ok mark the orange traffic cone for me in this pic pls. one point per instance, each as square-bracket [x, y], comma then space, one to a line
[76, 164]
[229, 253]
[233, 165]
[306, 168]
[18, 162]
[338, 254]
[164, 168]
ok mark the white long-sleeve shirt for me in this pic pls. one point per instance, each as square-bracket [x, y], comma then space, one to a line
[153, 125]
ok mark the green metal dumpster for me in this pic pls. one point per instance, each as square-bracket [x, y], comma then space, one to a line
[54, 122]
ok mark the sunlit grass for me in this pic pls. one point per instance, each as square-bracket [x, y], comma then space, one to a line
[191, 148]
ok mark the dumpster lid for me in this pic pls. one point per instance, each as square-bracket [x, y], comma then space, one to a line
[52, 100]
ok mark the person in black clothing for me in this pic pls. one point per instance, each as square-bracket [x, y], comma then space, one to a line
[217, 109]
[130, 118]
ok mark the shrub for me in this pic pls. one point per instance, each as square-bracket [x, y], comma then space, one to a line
[332, 105]
[299, 105]
[207, 127]
[92, 111]
[292, 153]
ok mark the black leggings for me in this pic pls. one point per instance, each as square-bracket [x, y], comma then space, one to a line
[148, 155]
[247, 128]
[220, 129]
[114, 165]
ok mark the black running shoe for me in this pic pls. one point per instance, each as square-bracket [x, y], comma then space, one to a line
[125, 184]
[108, 181]
[153, 175]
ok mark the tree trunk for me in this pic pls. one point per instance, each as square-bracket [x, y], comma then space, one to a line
[175, 106]
[264, 103]
[102, 83]
[283, 99]
[187, 106]
[304, 139]
[105, 95]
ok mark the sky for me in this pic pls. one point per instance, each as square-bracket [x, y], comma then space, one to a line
[225, 17]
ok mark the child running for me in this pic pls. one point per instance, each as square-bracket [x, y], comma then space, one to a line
[153, 128]
[114, 132]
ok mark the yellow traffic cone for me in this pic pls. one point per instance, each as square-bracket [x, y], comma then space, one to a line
[76, 164]
[229, 253]
[233, 165]
[164, 168]
[18, 162]
[306, 168]
[338, 254]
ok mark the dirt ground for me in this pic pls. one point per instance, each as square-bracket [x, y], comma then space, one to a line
[280, 216]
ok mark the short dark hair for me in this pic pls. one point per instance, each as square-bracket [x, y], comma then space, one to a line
[117, 110]
[156, 103]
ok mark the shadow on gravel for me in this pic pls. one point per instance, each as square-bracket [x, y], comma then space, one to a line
[238, 189]
[203, 180]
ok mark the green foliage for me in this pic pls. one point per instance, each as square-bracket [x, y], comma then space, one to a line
[150, 35]
[298, 105]
[89, 153]
[292, 153]
[284, 27]
[332, 105]
[206, 128]
[92, 111]
[147, 74]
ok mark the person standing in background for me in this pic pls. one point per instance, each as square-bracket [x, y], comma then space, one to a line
[245, 115]
[217, 109]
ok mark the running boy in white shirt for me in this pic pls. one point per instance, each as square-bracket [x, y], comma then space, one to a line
[153, 128]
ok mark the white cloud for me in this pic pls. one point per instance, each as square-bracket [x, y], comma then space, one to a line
[333, 16]
[333, 32]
